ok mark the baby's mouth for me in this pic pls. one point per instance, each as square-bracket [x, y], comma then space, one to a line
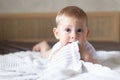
[69, 42]
[72, 42]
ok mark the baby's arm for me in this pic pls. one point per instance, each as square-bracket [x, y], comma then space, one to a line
[86, 55]
[42, 47]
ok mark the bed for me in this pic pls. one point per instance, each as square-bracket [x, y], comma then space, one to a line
[18, 62]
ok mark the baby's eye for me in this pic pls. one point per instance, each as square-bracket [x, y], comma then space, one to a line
[79, 30]
[67, 30]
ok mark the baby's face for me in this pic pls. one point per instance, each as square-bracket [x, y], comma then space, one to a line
[70, 29]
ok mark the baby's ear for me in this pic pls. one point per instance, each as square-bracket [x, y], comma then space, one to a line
[55, 31]
[88, 32]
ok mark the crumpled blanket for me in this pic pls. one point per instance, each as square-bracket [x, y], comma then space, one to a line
[67, 57]
[27, 65]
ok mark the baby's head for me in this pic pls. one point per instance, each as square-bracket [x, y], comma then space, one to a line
[73, 12]
[71, 24]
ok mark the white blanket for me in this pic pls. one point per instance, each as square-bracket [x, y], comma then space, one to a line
[30, 66]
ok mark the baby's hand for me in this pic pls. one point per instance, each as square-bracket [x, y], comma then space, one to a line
[42, 47]
[36, 47]
[85, 54]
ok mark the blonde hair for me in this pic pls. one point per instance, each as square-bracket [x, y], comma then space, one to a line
[71, 11]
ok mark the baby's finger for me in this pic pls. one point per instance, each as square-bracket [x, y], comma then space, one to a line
[36, 49]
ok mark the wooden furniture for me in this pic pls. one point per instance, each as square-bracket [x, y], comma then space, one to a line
[104, 26]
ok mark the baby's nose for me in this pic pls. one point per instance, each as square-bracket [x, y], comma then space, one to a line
[74, 35]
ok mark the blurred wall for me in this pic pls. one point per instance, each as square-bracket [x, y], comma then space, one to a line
[26, 6]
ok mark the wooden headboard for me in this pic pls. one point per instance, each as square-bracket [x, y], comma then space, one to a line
[104, 26]
[27, 27]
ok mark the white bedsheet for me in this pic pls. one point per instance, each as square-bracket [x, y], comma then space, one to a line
[30, 66]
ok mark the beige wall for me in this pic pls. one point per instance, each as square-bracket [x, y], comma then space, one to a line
[30, 6]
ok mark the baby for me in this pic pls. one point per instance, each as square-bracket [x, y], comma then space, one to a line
[71, 23]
